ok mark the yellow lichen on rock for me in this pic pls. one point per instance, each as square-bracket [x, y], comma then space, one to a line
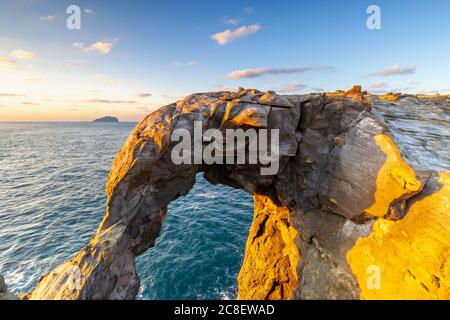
[395, 180]
[355, 93]
[390, 96]
[410, 257]
[269, 268]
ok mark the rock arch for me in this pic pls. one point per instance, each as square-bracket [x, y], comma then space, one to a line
[339, 170]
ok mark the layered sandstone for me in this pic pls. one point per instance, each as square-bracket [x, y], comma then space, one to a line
[345, 205]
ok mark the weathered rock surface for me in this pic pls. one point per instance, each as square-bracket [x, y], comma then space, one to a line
[343, 202]
[4, 294]
[420, 128]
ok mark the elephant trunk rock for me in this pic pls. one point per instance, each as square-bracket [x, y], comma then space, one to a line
[342, 199]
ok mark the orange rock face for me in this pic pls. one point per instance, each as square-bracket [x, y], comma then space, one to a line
[410, 258]
[271, 256]
[390, 96]
[354, 93]
[396, 180]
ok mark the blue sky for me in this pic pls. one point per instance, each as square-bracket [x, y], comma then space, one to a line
[131, 57]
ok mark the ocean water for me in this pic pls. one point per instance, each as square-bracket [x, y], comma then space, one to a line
[52, 198]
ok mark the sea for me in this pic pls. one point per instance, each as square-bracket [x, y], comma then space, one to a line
[52, 199]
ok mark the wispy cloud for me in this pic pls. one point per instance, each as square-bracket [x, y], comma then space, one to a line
[22, 54]
[231, 21]
[258, 72]
[293, 87]
[28, 103]
[182, 64]
[248, 10]
[7, 63]
[12, 95]
[143, 95]
[35, 79]
[47, 18]
[229, 35]
[107, 101]
[102, 47]
[89, 11]
[394, 70]
[108, 79]
[70, 64]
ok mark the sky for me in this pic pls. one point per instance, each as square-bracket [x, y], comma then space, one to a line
[131, 57]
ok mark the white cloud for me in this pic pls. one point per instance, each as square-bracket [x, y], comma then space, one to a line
[395, 70]
[258, 72]
[230, 35]
[35, 79]
[72, 63]
[12, 95]
[143, 95]
[293, 87]
[89, 11]
[102, 47]
[231, 21]
[7, 63]
[248, 10]
[22, 54]
[107, 101]
[47, 18]
[108, 79]
[78, 45]
[181, 64]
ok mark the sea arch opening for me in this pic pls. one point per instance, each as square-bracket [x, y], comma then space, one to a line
[201, 247]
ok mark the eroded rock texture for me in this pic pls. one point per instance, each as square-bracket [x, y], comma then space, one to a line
[343, 201]
[4, 294]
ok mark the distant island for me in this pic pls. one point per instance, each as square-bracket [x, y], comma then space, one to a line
[107, 119]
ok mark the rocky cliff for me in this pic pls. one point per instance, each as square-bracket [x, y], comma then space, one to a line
[347, 215]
